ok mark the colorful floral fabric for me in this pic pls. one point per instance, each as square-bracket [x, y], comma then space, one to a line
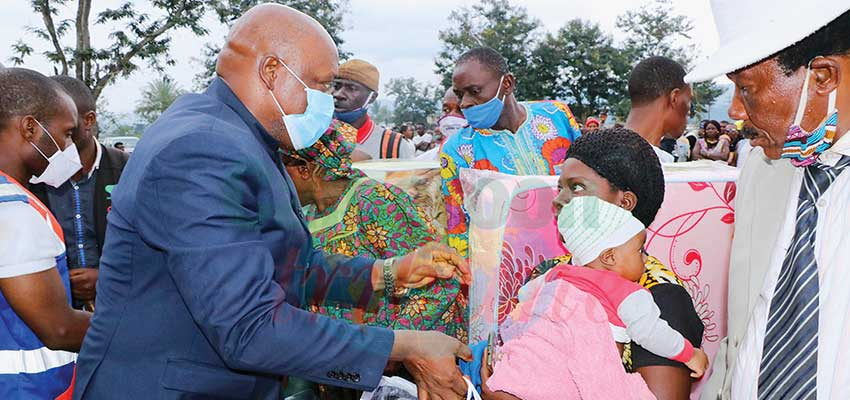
[540, 144]
[380, 221]
[332, 152]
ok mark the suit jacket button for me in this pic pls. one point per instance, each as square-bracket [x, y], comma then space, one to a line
[331, 375]
[356, 378]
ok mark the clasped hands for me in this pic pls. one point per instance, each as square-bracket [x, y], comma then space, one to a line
[431, 357]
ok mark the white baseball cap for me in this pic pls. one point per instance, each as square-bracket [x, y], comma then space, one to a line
[753, 30]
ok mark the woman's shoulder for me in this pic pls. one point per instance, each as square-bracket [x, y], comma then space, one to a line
[672, 298]
[657, 273]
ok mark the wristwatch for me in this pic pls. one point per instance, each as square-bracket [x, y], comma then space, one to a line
[389, 280]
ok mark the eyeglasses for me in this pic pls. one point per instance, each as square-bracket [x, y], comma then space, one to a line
[289, 161]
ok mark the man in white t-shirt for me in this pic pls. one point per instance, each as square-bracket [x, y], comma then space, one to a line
[40, 330]
[661, 101]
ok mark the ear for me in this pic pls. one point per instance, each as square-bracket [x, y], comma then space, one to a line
[629, 201]
[608, 258]
[29, 128]
[827, 72]
[89, 120]
[673, 98]
[509, 84]
[269, 68]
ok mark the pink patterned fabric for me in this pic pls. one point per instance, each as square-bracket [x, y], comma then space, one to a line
[558, 345]
[692, 235]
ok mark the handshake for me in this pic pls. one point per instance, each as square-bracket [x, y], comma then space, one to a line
[431, 357]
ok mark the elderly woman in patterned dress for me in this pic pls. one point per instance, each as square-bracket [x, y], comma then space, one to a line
[353, 215]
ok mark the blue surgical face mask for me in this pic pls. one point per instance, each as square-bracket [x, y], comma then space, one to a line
[305, 129]
[355, 114]
[484, 116]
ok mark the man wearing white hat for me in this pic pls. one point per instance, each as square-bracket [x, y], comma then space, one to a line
[789, 331]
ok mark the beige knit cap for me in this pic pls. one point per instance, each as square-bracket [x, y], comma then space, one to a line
[362, 72]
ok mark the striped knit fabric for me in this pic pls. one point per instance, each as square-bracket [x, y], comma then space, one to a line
[590, 225]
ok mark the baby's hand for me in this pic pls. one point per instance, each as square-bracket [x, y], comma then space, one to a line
[698, 363]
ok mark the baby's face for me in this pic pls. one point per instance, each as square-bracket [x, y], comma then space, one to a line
[631, 257]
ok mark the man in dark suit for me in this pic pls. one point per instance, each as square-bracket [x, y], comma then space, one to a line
[81, 204]
[208, 259]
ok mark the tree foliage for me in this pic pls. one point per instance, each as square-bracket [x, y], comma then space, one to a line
[156, 98]
[705, 95]
[414, 101]
[493, 23]
[135, 37]
[580, 64]
[653, 30]
[329, 13]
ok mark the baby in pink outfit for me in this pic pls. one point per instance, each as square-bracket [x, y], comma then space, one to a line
[559, 341]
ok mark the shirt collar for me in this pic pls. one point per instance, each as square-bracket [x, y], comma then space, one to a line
[221, 91]
[365, 131]
[838, 149]
[98, 154]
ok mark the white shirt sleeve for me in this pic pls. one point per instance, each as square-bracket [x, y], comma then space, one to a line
[644, 325]
[28, 244]
[407, 150]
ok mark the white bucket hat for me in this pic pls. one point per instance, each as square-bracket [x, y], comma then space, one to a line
[753, 30]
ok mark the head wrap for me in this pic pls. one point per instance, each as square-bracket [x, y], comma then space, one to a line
[590, 225]
[589, 120]
[361, 72]
[332, 152]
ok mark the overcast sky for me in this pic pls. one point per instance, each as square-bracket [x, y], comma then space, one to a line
[399, 37]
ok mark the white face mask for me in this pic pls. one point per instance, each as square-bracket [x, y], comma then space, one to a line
[61, 166]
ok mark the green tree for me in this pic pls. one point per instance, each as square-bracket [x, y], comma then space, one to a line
[497, 24]
[135, 37]
[580, 64]
[110, 123]
[329, 13]
[654, 30]
[381, 113]
[156, 98]
[705, 95]
[414, 101]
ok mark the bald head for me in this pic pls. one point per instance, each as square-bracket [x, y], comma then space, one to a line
[262, 43]
[451, 103]
[271, 29]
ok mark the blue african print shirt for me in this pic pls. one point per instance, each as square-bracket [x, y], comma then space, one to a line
[540, 144]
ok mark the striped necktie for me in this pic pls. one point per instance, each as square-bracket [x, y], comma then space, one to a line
[789, 361]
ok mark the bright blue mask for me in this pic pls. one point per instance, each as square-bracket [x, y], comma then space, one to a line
[305, 129]
[484, 116]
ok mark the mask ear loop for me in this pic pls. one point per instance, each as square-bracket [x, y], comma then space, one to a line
[293, 73]
[804, 97]
[51, 139]
[368, 98]
[279, 108]
[501, 80]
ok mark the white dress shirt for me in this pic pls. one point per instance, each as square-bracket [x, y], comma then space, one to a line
[744, 148]
[832, 253]
[663, 156]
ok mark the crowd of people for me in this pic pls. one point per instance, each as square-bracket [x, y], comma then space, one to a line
[239, 252]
